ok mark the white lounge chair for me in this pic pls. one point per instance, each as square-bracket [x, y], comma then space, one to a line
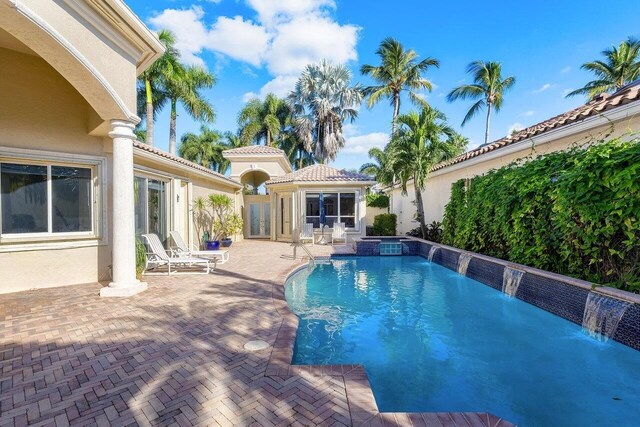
[157, 257]
[182, 249]
[306, 233]
[338, 233]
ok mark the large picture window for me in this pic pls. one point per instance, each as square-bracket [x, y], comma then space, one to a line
[46, 199]
[338, 207]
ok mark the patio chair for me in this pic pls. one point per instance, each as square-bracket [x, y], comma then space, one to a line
[157, 257]
[338, 233]
[306, 233]
[182, 249]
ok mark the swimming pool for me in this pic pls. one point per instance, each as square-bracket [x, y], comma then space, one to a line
[433, 340]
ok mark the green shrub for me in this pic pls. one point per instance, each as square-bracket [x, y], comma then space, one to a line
[573, 212]
[385, 225]
[378, 200]
[434, 232]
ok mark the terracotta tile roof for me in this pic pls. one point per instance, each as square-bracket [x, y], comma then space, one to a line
[181, 161]
[320, 173]
[603, 102]
[254, 149]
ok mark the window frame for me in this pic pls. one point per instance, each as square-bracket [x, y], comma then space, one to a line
[97, 166]
[338, 192]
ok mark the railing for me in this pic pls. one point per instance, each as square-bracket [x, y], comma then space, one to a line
[312, 259]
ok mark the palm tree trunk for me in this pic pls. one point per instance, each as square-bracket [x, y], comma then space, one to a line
[172, 128]
[396, 111]
[268, 138]
[149, 118]
[486, 131]
[420, 209]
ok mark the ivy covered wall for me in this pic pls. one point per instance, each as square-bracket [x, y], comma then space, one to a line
[574, 212]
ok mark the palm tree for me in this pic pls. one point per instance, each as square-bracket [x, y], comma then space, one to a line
[379, 167]
[295, 150]
[621, 66]
[399, 71]
[488, 88]
[420, 141]
[321, 101]
[263, 120]
[200, 148]
[231, 140]
[184, 85]
[206, 148]
[151, 96]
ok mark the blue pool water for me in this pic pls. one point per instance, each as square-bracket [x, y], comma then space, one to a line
[433, 340]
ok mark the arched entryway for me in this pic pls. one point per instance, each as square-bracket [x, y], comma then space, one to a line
[258, 210]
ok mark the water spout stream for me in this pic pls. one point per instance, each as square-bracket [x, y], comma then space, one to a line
[463, 263]
[602, 315]
[511, 281]
[432, 252]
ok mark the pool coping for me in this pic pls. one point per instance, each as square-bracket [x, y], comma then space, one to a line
[363, 408]
[590, 286]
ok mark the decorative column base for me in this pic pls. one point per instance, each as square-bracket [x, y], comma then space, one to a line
[119, 290]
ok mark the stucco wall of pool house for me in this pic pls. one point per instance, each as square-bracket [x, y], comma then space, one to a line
[437, 191]
[299, 193]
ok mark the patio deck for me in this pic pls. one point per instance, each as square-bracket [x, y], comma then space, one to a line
[174, 355]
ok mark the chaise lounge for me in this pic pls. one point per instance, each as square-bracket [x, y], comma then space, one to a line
[181, 249]
[157, 257]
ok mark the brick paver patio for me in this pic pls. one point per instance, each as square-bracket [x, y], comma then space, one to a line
[174, 355]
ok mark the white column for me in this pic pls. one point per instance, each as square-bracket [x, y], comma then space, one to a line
[124, 282]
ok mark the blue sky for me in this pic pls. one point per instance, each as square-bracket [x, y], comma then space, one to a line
[260, 46]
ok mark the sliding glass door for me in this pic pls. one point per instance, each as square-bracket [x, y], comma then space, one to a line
[151, 207]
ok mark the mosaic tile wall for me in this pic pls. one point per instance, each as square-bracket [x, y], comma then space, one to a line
[555, 296]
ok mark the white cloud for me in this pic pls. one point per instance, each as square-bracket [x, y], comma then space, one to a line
[239, 39]
[289, 35]
[542, 88]
[309, 39]
[528, 113]
[361, 144]
[186, 24]
[279, 86]
[565, 70]
[473, 144]
[515, 128]
[271, 12]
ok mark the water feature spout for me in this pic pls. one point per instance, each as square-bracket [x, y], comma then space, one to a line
[511, 281]
[463, 263]
[602, 315]
[432, 252]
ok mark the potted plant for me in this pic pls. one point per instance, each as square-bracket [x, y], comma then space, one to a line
[210, 217]
[231, 225]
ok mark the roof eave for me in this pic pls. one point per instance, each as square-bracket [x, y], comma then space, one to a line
[294, 182]
[171, 162]
[137, 32]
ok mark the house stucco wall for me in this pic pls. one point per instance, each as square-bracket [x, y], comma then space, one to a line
[41, 111]
[438, 188]
[113, 63]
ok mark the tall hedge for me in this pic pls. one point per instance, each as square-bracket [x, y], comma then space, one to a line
[574, 212]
